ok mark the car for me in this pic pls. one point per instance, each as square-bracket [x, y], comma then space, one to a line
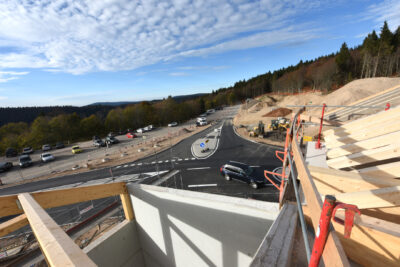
[11, 152]
[96, 138]
[99, 143]
[47, 157]
[59, 145]
[140, 130]
[131, 135]
[25, 161]
[242, 173]
[111, 140]
[201, 123]
[27, 150]
[76, 150]
[46, 147]
[5, 166]
[111, 134]
[173, 124]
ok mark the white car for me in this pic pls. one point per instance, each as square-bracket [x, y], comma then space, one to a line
[173, 124]
[46, 157]
[140, 130]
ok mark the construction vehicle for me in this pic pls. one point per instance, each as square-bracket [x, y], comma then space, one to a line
[258, 130]
[281, 124]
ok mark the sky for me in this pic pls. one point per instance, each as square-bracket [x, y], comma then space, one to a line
[76, 52]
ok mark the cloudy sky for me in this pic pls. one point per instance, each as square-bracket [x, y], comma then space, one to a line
[76, 52]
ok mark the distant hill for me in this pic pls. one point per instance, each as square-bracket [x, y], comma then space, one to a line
[178, 98]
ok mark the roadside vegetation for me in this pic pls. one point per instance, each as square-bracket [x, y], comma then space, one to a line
[377, 56]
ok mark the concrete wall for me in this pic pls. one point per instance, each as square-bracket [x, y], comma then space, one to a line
[118, 247]
[185, 228]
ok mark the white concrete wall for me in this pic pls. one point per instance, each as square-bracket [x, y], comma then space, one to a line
[185, 228]
[118, 247]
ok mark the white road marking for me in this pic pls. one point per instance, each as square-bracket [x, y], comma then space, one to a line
[186, 159]
[126, 165]
[237, 162]
[139, 164]
[118, 167]
[153, 162]
[173, 160]
[133, 165]
[193, 158]
[201, 185]
[179, 159]
[166, 161]
[199, 168]
[160, 161]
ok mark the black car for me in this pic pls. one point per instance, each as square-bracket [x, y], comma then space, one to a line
[11, 152]
[243, 173]
[111, 140]
[59, 145]
[25, 161]
[5, 166]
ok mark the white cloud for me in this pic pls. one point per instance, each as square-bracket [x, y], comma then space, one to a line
[178, 74]
[388, 10]
[83, 36]
[6, 76]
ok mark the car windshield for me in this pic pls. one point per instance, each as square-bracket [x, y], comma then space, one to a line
[23, 159]
[46, 155]
[75, 147]
[248, 170]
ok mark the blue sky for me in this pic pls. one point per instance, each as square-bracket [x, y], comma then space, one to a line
[74, 52]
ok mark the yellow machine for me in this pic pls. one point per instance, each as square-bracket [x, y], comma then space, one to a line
[258, 130]
[280, 124]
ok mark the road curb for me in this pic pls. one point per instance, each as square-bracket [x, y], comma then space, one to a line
[255, 142]
[214, 149]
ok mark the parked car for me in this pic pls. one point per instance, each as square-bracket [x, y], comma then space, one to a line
[242, 173]
[111, 140]
[96, 138]
[60, 145]
[25, 161]
[99, 143]
[11, 152]
[5, 166]
[201, 123]
[76, 150]
[131, 135]
[27, 150]
[111, 134]
[173, 124]
[47, 157]
[46, 147]
[140, 130]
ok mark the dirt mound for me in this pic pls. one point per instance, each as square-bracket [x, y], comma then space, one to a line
[256, 107]
[279, 112]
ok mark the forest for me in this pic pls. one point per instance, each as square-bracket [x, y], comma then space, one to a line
[377, 56]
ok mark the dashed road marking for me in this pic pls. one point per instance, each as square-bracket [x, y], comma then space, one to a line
[166, 161]
[139, 164]
[173, 160]
[179, 159]
[199, 168]
[118, 167]
[153, 162]
[201, 185]
[186, 159]
[193, 158]
[133, 165]
[160, 161]
[126, 165]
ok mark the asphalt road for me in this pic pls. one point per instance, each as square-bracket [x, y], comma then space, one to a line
[194, 174]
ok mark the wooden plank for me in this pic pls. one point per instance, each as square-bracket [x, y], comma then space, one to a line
[13, 224]
[379, 141]
[366, 122]
[366, 156]
[331, 181]
[56, 245]
[377, 198]
[61, 197]
[365, 99]
[388, 214]
[389, 170]
[276, 248]
[362, 134]
[127, 205]
[333, 254]
[373, 242]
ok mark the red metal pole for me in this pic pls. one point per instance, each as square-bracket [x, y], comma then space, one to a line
[318, 145]
[323, 230]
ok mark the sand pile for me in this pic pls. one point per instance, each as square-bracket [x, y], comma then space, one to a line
[279, 112]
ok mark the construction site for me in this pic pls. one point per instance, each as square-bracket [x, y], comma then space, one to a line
[339, 198]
